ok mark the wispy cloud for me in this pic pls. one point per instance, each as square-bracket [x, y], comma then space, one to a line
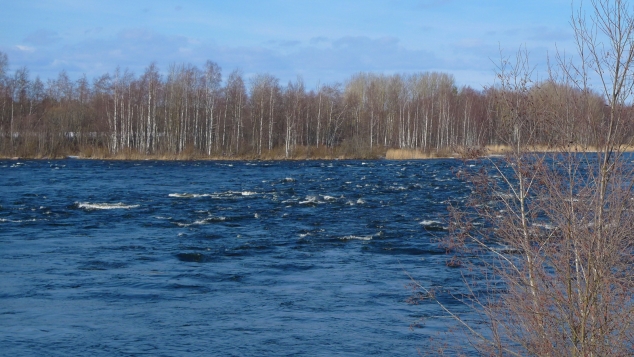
[549, 34]
[42, 37]
[25, 48]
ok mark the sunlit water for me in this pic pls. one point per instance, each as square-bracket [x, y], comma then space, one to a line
[220, 258]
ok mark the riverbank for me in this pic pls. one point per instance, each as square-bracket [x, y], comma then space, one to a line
[308, 153]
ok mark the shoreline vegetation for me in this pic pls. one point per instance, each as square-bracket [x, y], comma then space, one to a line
[308, 153]
[195, 113]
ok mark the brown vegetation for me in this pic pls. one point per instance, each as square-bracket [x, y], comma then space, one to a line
[189, 112]
[545, 238]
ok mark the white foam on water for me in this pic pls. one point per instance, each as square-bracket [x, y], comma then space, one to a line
[504, 195]
[101, 206]
[288, 179]
[248, 193]
[188, 195]
[546, 226]
[17, 220]
[329, 198]
[201, 222]
[427, 222]
[505, 249]
[353, 237]
[430, 223]
[309, 199]
[360, 201]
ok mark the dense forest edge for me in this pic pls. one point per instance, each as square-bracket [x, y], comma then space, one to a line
[195, 113]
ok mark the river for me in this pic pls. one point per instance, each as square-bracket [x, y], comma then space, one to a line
[202, 258]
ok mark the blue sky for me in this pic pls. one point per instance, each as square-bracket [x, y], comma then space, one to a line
[323, 41]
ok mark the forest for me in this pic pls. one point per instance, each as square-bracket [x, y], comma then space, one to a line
[197, 113]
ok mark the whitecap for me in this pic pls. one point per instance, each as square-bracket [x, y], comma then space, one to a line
[546, 226]
[351, 237]
[360, 201]
[309, 199]
[248, 193]
[329, 198]
[189, 195]
[503, 195]
[429, 222]
[101, 206]
[180, 195]
[398, 188]
[17, 220]
[201, 222]
[433, 225]
[505, 249]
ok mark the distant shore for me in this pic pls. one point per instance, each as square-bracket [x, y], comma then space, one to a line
[308, 155]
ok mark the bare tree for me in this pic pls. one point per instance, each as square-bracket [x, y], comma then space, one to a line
[551, 233]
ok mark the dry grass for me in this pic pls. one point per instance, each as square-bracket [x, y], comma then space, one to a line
[343, 152]
[413, 154]
[505, 149]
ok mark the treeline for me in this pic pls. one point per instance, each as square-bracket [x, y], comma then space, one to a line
[193, 112]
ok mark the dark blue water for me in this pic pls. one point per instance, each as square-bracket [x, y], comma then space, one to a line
[220, 258]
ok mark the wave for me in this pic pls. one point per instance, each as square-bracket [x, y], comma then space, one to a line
[213, 195]
[100, 206]
[545, 226]
[309, 199]
[189, 195]
[353, 237]
[433, 225]
[17, 220]
[202, 221]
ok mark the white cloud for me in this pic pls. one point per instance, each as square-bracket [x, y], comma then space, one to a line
[25, 48]
[42, 37]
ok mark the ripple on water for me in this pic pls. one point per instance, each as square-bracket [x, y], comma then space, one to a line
[219, 258]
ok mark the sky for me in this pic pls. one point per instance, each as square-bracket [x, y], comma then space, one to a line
[323, 42]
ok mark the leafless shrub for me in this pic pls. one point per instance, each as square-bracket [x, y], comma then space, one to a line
[547, 237]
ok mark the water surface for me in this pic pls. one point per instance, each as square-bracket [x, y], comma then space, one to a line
[220, 258]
